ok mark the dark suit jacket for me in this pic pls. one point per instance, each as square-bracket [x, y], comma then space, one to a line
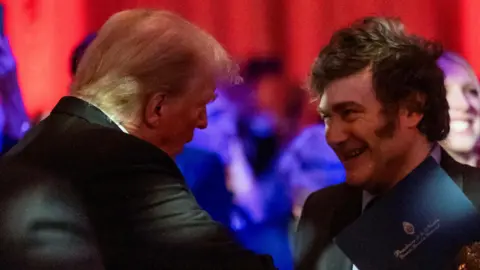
[78, 193]
[328, 211]
[204, 173]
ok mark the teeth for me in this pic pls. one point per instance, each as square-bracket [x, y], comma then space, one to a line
[459, 125]
[354, 153]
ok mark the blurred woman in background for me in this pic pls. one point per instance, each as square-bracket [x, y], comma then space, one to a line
[463, 95]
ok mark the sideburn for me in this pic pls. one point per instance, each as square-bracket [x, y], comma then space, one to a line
[413, 104]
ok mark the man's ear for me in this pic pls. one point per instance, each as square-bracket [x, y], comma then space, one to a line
[412, 109]
[153, 109]
[411, 119]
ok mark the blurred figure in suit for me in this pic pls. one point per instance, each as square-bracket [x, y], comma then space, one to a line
[105, 182]
[463, 95]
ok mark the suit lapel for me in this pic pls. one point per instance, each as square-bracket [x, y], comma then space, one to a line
[348, 209]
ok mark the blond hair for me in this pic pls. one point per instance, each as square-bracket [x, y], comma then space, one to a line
[140, 52]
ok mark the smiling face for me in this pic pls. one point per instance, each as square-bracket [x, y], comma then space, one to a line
[464, 101]
[365, 140]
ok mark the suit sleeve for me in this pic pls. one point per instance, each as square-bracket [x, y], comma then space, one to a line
[160, 222]
[43, 224]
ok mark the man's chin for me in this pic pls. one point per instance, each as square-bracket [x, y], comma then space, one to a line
[189, 139]
[460, 144]
[175, 152]
[355, 181]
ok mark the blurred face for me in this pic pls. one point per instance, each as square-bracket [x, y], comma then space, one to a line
[265, 96]
[464, 101]
[272, 91]
[244, 98]
[357, 130]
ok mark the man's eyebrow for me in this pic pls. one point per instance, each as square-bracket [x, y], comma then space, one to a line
[347, 104]
[340, 106]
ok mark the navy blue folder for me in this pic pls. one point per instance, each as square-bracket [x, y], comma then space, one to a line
[421, 223]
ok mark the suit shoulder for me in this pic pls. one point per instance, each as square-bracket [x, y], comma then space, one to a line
[118, 145]
[91, 148]
[323, 195]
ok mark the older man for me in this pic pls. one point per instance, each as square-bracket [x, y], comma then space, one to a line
[94, 185]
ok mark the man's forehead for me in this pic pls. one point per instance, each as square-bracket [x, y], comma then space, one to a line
[356, 88]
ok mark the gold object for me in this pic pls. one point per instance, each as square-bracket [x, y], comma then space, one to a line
[469, 257]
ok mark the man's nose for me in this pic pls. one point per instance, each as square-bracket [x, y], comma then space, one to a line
[335, 133]
[202, 120]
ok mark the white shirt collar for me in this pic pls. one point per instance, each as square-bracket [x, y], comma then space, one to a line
[122, 128]
[366, 198]
[436, 153]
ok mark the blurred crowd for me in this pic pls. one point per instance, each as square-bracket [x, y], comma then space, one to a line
[264, 150]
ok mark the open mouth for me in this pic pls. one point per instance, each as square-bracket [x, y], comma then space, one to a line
[460, 125]
[348, 155]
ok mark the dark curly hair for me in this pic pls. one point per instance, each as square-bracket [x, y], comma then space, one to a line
[404, 70]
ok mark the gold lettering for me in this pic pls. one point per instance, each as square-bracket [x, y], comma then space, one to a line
[419, 239]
